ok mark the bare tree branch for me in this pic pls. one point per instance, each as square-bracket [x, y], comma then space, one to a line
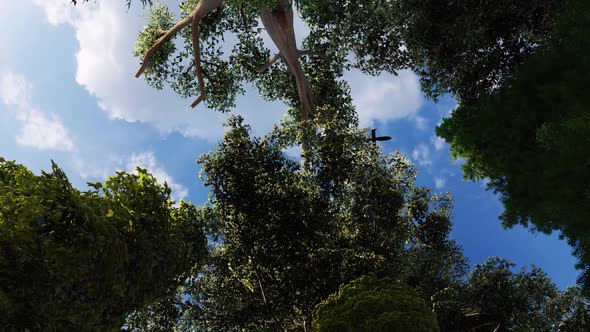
[278, 23]
[197, 55]
[203, 8]
[269, 63]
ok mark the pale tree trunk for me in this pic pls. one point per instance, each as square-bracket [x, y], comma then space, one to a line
[278, 23]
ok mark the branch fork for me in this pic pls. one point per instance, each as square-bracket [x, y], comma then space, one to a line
[203, 8]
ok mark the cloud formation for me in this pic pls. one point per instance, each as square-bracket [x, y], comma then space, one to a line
[439, 183]
[386, 97]
[107, 166]
[106, 34]
[438, 143]
[421, 155]
[38, 130]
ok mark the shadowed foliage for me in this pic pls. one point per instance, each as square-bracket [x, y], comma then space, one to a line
[532, 138]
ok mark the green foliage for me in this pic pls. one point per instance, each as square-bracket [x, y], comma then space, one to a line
[468, 48]
[286, 235]
[251, 7]
[464, 48]
[72, 260]
[160, 20]
[372, 32]
[227, 69]
[373, 304]
[495, 297]
[570, 310]
[532, 138]
[432, 260]
[289, 235]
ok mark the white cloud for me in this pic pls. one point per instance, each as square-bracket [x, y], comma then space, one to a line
[421, 155]
[485, 182]
[15, 90]
[44, 132]
[438, 143]
[148, 161]
[57, 12]
[293, 152]
[106, 34]
[90, 168]
[39, 130]
[439, 183]
[420, 122]
[459, 161]
[386, 97]
[107, 166]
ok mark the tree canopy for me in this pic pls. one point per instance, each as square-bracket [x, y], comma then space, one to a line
[285, 235]
[289, 236]
[465, 48]
[496, 298]
[469, 48]
[532, 138]
[72, 260]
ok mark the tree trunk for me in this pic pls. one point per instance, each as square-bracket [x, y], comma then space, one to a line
[278, 23]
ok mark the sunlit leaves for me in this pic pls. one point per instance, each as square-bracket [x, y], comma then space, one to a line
[72, 260]
[160, 20]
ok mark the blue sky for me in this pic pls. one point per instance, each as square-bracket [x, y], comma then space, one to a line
[67, 93]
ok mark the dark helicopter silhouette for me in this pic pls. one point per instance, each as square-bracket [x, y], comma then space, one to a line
[374, 137]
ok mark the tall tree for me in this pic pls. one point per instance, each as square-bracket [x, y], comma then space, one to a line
[72, 260]
[467, 49]
[532, 138]
[289, 234]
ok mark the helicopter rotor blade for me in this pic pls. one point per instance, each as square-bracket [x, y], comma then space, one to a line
[382, 138]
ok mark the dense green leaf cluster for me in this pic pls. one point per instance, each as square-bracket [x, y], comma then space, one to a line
[289, 235]
[494, 297]
[72, 260]
[532, 138]
[285, 234]
[160, 20]
[468, 48]
[465, 48]
[373, 304]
